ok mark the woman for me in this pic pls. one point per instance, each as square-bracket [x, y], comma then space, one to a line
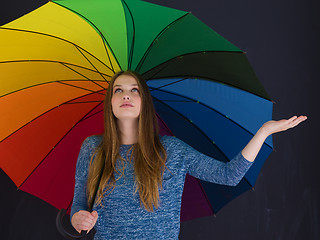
[140, 191]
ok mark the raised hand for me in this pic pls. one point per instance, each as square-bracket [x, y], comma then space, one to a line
[253, 147]
[272, 126]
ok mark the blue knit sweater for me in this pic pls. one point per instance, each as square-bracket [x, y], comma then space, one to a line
[122, 216]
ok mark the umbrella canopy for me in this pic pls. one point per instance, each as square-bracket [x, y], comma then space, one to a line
[55, 66]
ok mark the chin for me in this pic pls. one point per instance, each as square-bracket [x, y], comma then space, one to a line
[127, 118]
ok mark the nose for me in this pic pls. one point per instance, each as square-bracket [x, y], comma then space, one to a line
[126, 97]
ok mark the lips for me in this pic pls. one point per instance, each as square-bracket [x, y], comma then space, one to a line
[126, 105]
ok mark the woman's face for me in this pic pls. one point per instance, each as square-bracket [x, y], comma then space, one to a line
[126, 100]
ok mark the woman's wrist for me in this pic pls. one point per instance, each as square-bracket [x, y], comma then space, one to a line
[264, 131]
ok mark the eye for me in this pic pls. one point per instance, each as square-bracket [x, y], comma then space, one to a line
[135, 90]
[117, 90]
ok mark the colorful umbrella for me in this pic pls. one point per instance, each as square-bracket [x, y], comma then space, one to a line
[55, 65]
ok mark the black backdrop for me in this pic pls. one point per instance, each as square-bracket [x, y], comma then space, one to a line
[280, 38]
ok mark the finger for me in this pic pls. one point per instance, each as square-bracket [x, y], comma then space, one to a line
[81, 227]
[94, 214]
[85, 225]
[81, 221]
[87, 215]
[91, 221]
[304, 117]
[295, 118]
[298, 121]
[84, 221]
[292, 118]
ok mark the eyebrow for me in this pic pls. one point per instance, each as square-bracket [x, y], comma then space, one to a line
[129, 85]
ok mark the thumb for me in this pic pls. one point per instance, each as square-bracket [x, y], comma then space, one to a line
[94, 214]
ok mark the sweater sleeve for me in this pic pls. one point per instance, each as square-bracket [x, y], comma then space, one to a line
[81, 176]
[211, 170]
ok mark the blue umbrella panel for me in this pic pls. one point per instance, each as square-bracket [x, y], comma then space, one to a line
[217, 120]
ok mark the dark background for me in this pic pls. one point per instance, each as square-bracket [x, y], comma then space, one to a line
[282, 43]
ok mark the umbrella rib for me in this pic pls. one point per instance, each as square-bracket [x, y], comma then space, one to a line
[90, 63]
[65, 40]
[80, 87]
[216, 80]
[84, 75]
[193, 100]
[203, 133]
[133, 36]
[87, 117]
[156, 39]
[195, 126]
[180, 80]
[104, 40]
[186, 54]
[67, 102]
[160, 68]
[177, 101]
[82, 102]
[165, 64]
[167, 128]
[51, 61]
[69, 205]
[21, 89]
[45, 82]
[56, 145]
[205, 195]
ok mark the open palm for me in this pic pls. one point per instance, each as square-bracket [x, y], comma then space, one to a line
[281, 125]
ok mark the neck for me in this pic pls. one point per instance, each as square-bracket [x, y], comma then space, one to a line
[128, 131]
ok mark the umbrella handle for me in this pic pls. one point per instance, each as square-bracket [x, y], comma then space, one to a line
[63, 231]
[83, 235]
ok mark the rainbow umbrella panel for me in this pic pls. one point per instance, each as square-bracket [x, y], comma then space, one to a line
[55, 66]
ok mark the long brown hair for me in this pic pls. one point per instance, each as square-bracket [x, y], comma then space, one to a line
[149, 154]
